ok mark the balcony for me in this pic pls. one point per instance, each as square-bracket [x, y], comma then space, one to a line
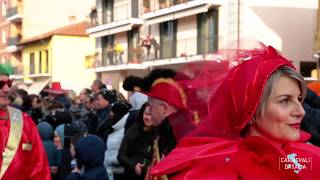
[123, 19]
[182, 51]
[161, 4]
[153, 54]
[12, 44]
[14, 14]
[166, 11]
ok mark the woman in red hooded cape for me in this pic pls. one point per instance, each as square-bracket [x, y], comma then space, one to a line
[252, 129]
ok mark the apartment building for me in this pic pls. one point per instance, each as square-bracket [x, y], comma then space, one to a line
[133, 36]
[58, 55]
[11, 34]
[22, 20]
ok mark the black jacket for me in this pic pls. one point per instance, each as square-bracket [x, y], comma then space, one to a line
[311, 123]
[136, 147]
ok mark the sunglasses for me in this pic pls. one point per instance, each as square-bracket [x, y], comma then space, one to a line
[7, 82]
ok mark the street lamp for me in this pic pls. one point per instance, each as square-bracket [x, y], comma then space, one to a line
[317, 56]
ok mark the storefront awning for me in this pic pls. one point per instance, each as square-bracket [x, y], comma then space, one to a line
[37, 86]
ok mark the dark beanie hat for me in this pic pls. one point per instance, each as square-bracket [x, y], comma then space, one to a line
[120, 109]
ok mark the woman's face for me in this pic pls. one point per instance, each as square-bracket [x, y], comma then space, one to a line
[147, 117]
[283, 113]
[36, 103]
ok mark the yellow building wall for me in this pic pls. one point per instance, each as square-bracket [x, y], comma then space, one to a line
[68, 61]
[36, 48]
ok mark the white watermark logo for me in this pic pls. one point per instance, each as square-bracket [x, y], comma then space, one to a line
[295, 163]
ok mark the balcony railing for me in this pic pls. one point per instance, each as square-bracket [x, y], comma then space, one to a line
[13, 41]
[13, 11]
[120, 12]
[182, 48]
[160, 4]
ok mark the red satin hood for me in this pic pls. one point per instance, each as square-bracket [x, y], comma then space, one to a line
[236, 100]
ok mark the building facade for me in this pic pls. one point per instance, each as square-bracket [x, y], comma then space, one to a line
[58, 55]
[24, 19]
[133, 36]
[11, 33]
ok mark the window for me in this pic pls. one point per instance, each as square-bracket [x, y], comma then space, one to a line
[32, 64]
[135, 8]
[108, 55]
[3, 8]
[207, 32]
[46, 66]
[133, 44]
[307, 67]
[4, 36]
[40, 62]
[168, 36]
[107, 11]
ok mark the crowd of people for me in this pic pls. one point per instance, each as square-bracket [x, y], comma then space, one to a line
[247, 116]
[97, 134]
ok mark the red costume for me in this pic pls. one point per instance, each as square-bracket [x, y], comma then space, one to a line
[23, 155]
[231, 106]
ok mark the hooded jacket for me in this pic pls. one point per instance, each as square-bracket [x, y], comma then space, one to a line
[46, 135]
[90, 153]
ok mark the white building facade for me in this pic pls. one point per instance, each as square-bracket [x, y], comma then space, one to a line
[133, 36]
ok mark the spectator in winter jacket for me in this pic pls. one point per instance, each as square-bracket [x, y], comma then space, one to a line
[89, 152]
[103, 100]
[118, 116]
[136, 150]
[46, 134]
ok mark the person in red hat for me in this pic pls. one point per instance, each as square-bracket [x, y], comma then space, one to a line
[253, 127]
[23, 155]
[56, 93]
[168, 100]
[169, 110]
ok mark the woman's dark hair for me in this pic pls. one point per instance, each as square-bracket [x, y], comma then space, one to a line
[139, 118]
[119, 109]
[27, 101]
[99, 84]
[87, 92]
[55, 105]
[109, 95]
[22, 93]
